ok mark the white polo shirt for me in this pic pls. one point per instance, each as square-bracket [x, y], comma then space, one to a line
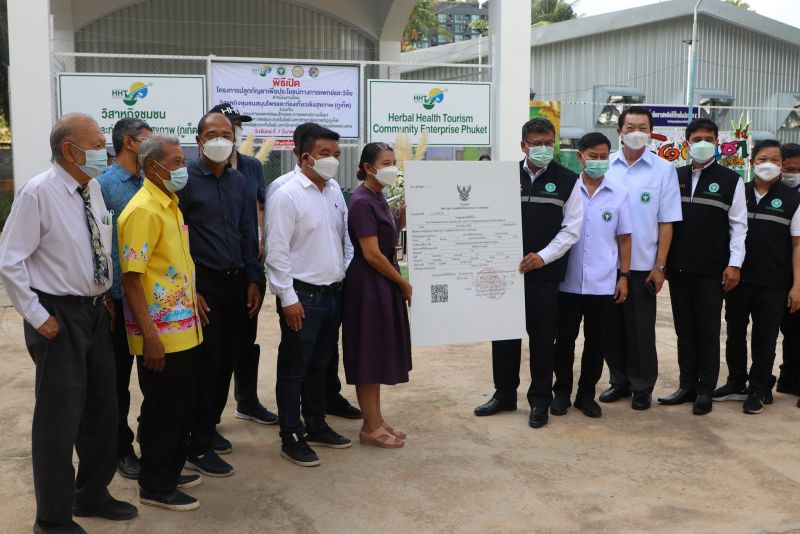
[654, 196]
[592, 265]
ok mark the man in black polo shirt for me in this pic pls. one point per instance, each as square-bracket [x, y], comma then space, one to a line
[219, 215]
[704, 261]
[789, 377]
[552, 216]
[772, 262]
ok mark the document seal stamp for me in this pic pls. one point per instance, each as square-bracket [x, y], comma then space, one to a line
[490, 284]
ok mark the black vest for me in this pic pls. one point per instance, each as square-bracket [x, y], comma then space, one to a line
[701, 242]
[768, 248]
[543, 203]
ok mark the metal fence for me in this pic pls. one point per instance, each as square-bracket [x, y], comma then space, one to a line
[279, 161]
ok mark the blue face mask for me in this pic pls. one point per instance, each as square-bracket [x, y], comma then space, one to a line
[541, 156]
[177, 178]
[96, 161]
[596, 168]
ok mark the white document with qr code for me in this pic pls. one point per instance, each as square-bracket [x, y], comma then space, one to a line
[464, 235]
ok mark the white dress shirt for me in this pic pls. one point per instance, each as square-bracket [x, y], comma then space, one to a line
[737, 218]
[279, 182]
[654, 195]
[570, 226]
[307, 237]
[592, 264]
[45, 244]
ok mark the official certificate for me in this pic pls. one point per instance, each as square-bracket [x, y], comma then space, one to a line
[464, 234]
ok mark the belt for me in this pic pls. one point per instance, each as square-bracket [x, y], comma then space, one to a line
[331, 289]
[230, 274]
[71, 299]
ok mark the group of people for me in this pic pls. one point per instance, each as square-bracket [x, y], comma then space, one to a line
[166, 262]
[162, 261]
[600, 245]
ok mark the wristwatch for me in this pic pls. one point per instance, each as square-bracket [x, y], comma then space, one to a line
[660, 268]
[625, 275]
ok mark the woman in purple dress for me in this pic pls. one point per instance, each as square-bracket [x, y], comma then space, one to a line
[375, 334]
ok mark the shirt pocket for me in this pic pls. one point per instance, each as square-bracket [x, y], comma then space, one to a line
[106, 236]
[646, 197]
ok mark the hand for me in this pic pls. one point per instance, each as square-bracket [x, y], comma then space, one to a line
[793, 300]
[153, 350]
[202, 309]
[621, 291]
[112, 311]
[730, 278]
[406, 290]
[50, 328]
[294, 316]
[531, 262]
[401, 214]
[657, 277]
[253, 300]
[262, 253]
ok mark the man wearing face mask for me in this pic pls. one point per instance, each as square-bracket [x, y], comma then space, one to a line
[552, 216]
[219, 213]
[161, 321]
[592, 285]
[655, 202]
[770, 281]
[245, 374]
[704, 263]
[119, 183]
[789, 378]
[307, 251]
[55, 263]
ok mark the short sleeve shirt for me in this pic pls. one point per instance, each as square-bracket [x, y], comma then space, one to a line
[154, 241]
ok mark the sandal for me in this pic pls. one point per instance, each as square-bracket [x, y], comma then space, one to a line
[382, 438]
[399, 434]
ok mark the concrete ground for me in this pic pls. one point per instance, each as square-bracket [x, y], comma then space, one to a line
[663, 470]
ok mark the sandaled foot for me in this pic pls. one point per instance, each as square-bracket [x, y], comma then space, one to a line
[399, 434]
[381, 437]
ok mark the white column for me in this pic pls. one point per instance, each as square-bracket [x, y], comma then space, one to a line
[388, 51]
[63, 34]
[30, 87]
[510, 35]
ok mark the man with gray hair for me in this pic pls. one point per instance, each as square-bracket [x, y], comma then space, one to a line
[119, 183]
[55, 264]
[162, 321]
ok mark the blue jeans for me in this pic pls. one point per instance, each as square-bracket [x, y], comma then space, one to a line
[303, 359]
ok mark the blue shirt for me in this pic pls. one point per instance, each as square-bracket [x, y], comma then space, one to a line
[118, 187]
[592, 265]
[219, 213]
[253, 172]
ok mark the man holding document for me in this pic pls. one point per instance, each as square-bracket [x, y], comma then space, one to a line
[552, 216]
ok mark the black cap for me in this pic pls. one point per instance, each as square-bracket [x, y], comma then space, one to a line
[231, 112]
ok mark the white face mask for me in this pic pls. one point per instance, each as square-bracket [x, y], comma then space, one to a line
[636, 140]
[386, 176]
[767, 171]
[791, 179]
[218, 150]
[238, 135]
[325, 167]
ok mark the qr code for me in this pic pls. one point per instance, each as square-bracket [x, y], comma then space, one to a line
[439, 293]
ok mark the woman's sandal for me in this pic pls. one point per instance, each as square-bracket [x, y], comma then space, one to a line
[399, 434]
[382, 438]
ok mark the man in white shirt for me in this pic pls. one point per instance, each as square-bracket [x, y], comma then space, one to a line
[306, 266]
[592, 285]
[704, 262]
[655, 202]
[55, 263]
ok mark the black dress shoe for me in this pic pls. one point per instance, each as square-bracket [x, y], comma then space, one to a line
[493, 406]
[560, 405]
[341, 407]
[702, 404]
[681, 396]
[588, 406]
[641, 400]
[46, 527]
[538, 417]
[614, 393]
[111, 509]
[128, 467]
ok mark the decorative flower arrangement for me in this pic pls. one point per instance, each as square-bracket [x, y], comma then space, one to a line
[403, 151]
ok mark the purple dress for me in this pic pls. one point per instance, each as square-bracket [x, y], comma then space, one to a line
[376, 339]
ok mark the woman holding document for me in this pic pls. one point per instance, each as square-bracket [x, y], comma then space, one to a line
[375, 334]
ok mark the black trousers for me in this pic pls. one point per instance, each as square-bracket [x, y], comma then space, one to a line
[790, 368]
[595, 312]
[541, 321]
[632, 358]
[222, 339]
[76, 406]
[165, 425]
[303, 361]
[245, 372]
[696, 308]
[766, 306]
[124, 364]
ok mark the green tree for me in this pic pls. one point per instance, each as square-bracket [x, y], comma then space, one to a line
[421, 26]
[549, 11]
[739, 3]
[480, 25]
